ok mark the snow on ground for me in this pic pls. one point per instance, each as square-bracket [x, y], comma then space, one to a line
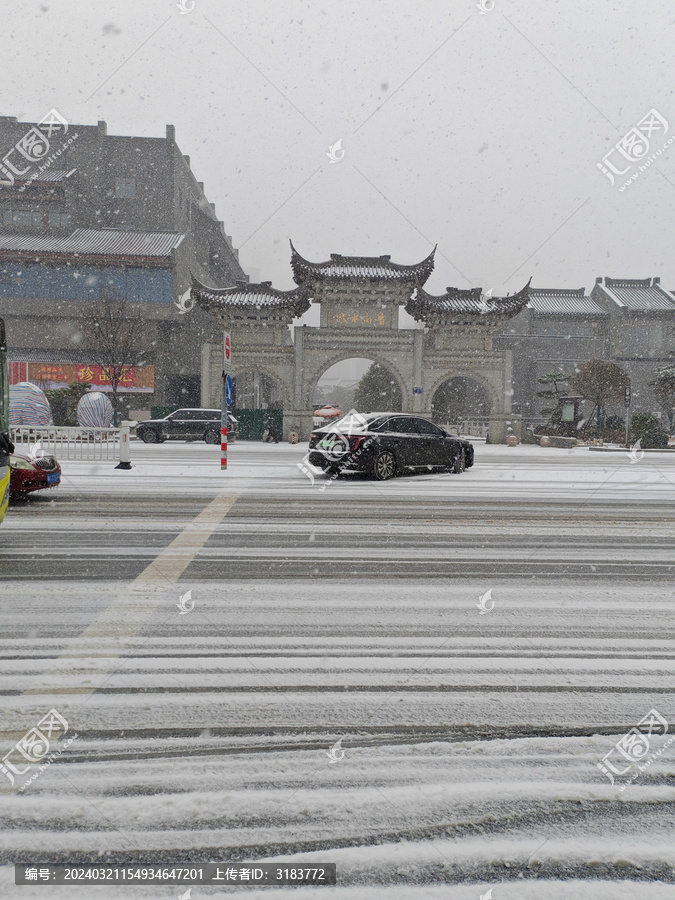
[254, 466]
[465, 746]
[519, 889]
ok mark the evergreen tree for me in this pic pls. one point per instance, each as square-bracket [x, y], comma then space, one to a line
[377, 391]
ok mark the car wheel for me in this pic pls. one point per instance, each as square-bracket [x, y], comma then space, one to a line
[384, 466]
[459, 464]
[212, 437]
[150, 436]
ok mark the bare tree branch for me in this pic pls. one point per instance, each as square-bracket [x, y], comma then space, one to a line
[118, 339]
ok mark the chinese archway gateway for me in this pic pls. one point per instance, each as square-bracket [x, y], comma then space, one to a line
[360, 298]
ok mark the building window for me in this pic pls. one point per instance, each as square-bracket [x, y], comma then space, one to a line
[35, 219]
[58, 220]
[125, 187]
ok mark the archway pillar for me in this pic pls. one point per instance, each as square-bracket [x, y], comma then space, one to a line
[419, 401]
[211, 381]
[299, 420]
[299, 353]
[504, 423]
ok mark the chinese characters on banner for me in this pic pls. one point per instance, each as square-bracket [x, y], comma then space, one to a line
[51, 373]
[99, 377]
[51, 376]
[358, 319]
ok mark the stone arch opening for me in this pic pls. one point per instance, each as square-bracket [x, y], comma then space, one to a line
[366, 383]
[460, 397]
[255, 389]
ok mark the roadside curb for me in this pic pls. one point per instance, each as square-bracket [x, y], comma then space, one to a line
[627, 450]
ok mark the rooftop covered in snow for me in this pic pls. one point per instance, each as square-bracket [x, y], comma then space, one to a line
[87, 242]
[564, 301]
[376, 267]
[244, 295]
[465, 306]
[637, 294]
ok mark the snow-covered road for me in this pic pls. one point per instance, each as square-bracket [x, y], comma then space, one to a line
[465, 743]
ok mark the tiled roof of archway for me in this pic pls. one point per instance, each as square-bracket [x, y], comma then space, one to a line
[468, 304]
[251, 296]
[379, 267]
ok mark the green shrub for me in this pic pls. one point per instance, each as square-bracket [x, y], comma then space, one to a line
[649, 431]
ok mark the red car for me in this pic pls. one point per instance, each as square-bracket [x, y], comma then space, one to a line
[29, 473]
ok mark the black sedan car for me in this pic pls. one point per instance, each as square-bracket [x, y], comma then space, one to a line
[187, 424]
[384, 444]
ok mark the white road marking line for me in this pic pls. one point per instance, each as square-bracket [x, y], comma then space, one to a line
[124, 619]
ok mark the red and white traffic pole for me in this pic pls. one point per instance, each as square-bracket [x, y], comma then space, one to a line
[223, 428]
[227, 368]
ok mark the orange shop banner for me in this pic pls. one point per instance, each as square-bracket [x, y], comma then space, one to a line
[139, 379]
[101, 377]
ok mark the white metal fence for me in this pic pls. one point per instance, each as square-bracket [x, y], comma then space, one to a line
[479, 426]
[66, 442]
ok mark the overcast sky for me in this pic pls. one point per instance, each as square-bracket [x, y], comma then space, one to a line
[479, 131]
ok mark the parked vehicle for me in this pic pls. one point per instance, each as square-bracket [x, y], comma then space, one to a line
[187, 424]
[384, 444]
[29, 473]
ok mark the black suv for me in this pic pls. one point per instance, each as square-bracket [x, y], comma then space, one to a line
[384, 444]
[187, 424]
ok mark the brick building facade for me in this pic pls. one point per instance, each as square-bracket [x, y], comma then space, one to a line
[92, 215]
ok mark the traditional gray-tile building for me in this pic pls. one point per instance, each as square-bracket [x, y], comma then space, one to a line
[641, 330]
[558, 329]
[630, 322]
[85, 214]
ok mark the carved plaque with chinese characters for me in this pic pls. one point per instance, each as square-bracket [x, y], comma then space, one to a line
[369, 319]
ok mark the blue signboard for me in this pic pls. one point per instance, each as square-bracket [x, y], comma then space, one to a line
[84, 282]
[228, 390]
